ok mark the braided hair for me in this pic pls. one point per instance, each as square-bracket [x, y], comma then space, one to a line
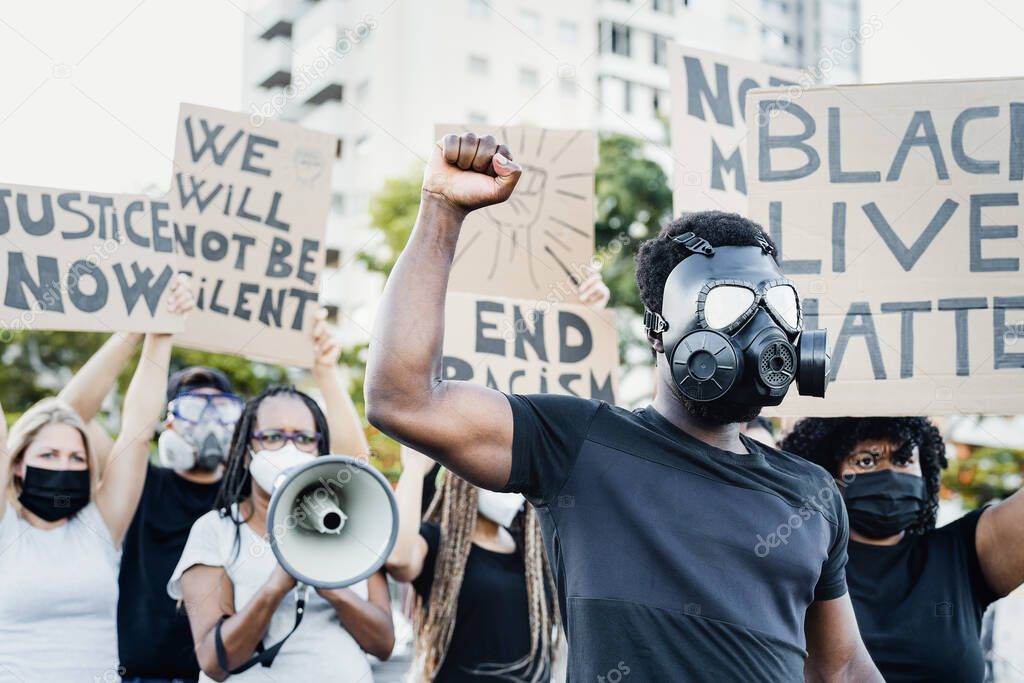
[454, 509]
[827, 442]
[236, 484]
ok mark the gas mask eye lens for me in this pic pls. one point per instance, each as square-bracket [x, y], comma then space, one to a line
[783, 301]
[724, 305]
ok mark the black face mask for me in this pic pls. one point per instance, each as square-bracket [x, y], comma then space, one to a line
[54, 494]
[732, 330]
[882, 504]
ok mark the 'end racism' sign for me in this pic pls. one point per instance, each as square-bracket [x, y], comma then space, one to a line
[898, 211]
[531, 347]
[709, 126]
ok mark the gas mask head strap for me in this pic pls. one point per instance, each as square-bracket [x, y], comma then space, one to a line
[654, 322]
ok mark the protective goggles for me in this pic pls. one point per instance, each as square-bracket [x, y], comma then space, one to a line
[726, 305]
[192, 407]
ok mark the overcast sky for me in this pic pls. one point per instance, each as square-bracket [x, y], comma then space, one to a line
[90, 90]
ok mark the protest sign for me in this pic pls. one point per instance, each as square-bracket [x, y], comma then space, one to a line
[521, 346]
[897, 210]
[709, 125]
[251, 206]
[84, 261]
[543, 236]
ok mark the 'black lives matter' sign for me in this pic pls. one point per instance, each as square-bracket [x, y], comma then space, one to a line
[898, 211]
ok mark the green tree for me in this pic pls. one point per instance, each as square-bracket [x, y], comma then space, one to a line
[633, 202]
[393, 212]
[38, 364]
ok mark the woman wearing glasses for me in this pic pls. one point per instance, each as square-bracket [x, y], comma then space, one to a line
[919, 591]
[234, 590]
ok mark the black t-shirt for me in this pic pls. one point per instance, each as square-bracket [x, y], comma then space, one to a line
[153, 635]
[492, 620]
[919, 604]
[676, 560]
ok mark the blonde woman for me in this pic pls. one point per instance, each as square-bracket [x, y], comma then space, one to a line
[62, 523]
[484, 607]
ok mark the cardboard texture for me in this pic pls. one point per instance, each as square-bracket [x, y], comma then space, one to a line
[897, 208]
[541, 239]
[528, 347]
[252, 203]
[709, 128]
[84, 261]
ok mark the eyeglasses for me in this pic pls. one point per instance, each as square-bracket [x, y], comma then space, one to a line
[726, 305]
[275, 439]
[192, 407]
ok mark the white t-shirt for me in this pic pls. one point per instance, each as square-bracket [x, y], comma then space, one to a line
[58, 600]
[319, 650]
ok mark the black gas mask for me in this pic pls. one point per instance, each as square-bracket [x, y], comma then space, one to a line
[732, 328]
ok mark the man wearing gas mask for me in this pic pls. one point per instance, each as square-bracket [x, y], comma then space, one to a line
[154, 639]
[681, 549]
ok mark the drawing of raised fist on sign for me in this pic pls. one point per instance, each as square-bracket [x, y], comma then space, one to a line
[539, 240]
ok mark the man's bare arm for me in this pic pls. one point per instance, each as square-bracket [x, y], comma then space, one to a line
[465, 426]
[835, 651]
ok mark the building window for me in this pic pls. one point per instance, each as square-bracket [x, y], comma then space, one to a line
[362, 90]
[627, 97]
[567, 31]
[528, 77]
[666, 6]
[660, 54]
[478, 65]
[567, 85]
[476, 117]
[362, 146]
[614, 38]
[329, 93]
[735, 25]
[529, 22]
[479, 8]
[656, 100]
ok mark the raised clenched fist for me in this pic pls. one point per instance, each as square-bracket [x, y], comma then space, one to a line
[471, 172]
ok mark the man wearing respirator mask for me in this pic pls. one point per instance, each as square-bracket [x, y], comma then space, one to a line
[651, 517]
[153, 636]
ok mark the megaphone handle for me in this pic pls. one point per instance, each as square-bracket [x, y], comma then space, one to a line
[264, 656]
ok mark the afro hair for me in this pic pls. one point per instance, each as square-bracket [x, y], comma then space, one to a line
[827, 442]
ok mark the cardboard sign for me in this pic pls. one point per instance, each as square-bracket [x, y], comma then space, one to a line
[709, 126]
[541, 239]
[897, 209]
[84, 261]
[531, 347]
[251, 204]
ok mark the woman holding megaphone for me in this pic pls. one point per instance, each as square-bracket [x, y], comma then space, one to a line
[236, 593]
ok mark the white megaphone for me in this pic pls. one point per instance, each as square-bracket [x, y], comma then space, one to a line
[332, 520]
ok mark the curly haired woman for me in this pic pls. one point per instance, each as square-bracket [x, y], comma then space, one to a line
[919, 592]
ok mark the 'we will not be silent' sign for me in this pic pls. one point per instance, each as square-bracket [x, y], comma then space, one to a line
[898, 209]
[245, 217]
